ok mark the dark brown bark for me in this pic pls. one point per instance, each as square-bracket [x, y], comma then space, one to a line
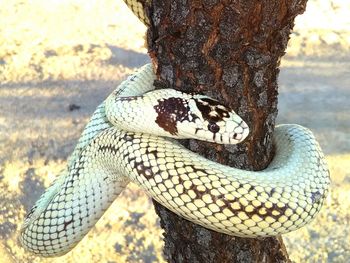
[229, 50]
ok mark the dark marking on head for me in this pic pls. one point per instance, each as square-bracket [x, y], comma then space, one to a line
[223, 111]
[211, 102]
[170, 111]
[212, 111]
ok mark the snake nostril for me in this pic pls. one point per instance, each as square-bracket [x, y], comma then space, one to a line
[213, 127]
[235, 135]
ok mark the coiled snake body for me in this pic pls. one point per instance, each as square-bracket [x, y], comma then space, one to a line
[123, 142]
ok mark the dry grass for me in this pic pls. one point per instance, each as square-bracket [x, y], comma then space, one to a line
[56, 53]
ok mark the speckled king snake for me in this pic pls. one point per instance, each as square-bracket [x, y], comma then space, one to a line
[124, 142]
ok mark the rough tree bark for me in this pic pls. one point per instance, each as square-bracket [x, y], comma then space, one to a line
[229, 50]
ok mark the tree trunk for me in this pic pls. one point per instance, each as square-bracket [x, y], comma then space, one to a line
[230, 51]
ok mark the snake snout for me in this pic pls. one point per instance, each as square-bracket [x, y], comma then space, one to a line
[236, 129]
[240, 133]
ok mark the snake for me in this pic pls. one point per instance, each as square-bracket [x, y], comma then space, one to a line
[133, 137]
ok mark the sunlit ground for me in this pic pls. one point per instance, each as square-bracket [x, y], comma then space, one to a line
[54, 54]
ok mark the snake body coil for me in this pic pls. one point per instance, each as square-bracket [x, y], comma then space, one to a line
[123, 143]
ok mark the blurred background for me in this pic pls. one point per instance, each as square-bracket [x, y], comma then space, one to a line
[59, 59]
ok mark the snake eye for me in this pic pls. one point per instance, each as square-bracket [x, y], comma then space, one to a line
[213, 127]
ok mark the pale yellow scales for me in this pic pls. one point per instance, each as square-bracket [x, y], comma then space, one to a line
[285, 196]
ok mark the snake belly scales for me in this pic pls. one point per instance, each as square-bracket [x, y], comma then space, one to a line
[124, 142]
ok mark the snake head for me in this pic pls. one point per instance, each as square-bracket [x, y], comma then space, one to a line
[172, 113]
[214, 122]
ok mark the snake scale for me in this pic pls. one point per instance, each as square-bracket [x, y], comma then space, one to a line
[131, 138]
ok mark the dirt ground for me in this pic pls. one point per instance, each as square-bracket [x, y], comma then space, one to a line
[60, 59]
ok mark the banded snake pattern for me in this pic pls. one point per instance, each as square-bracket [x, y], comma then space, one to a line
[130, 138]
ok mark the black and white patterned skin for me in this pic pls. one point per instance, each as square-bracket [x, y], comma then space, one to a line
[114, 150]
[123, 143]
